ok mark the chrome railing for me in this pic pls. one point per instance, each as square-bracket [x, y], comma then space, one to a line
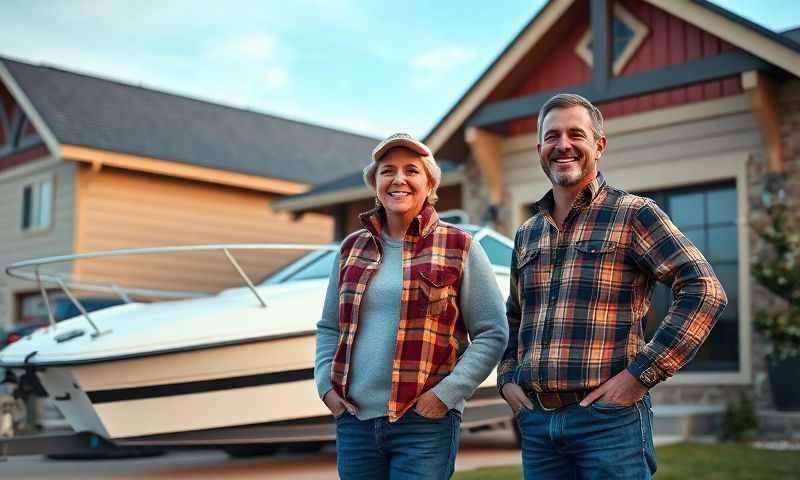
[31, 270]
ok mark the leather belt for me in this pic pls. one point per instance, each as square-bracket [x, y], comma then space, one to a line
[549, 401]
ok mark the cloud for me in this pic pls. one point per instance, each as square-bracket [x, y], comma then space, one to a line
[276, 77]
[256, 47]
[442, 60]
[431, 68]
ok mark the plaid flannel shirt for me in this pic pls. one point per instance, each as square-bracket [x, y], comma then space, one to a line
[579, 295]
[430, 329]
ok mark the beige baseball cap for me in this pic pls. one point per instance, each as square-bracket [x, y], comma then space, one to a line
[407, 141]
[401, 140]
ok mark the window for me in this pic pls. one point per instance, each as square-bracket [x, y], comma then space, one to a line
[707, 216]
[36, 205]
[627, 35]
[318, 269]
[498, 252]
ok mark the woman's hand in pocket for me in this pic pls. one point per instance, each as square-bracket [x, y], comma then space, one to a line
[337, 405]
[429, 406]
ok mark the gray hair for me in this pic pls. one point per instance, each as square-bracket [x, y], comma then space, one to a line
[569, 100]
[428, 163]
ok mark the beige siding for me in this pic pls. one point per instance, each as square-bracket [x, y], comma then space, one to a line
[16, 245]
[123, 209]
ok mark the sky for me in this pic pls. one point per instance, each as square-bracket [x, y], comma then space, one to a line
[365, 66]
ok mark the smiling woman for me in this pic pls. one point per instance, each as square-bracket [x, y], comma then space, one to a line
[417, 290]
[404, 177]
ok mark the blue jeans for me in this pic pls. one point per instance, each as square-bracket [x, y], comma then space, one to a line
[602, 441]
[414, 447]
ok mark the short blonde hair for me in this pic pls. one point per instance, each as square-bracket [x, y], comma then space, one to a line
[405, 141]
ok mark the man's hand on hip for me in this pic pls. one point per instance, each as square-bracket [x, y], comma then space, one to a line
[621, 389]
[515, 397]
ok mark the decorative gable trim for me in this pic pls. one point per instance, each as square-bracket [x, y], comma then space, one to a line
[30, 111]
[640, 32]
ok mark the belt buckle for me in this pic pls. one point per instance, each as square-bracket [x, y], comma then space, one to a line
[542, 406]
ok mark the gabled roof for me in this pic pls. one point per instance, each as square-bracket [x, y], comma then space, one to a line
[793, 34]
[112, 116]
[780, 50]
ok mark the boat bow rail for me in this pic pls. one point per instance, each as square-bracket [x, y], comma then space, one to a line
[32, 270]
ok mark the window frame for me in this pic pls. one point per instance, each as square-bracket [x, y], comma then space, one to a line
[32, 209]
[662, 197]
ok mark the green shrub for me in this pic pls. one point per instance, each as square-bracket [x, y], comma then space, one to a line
[740, 422]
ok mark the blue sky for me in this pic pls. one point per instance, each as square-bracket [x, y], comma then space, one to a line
[366, 66]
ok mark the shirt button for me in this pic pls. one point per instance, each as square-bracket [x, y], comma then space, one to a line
[553, 298]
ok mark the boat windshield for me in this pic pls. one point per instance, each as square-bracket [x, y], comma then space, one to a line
[317, 265]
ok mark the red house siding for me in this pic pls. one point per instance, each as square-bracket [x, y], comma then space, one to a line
[670, 41]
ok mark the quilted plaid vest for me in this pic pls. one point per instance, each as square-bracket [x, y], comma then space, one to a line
[431, 330]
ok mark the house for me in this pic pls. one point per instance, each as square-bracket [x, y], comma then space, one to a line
[90, 164]
[703, 115]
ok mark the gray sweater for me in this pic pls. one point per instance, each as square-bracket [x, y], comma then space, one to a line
[370, 380]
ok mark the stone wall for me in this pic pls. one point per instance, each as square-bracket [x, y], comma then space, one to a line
[789, 111]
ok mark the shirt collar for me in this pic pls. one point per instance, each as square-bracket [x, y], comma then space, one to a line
[422, 225]
[584, 198]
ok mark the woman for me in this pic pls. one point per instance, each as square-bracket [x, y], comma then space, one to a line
[394, 363]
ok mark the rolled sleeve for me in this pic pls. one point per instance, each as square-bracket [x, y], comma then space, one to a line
[698, 297]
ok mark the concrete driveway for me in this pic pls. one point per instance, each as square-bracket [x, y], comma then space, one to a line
[477, 450]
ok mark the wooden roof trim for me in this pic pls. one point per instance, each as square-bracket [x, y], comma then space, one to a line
[734, 33]
[30, 111]
[470, 102]
[101, 158]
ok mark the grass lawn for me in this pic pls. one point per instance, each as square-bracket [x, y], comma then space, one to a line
[716, 461]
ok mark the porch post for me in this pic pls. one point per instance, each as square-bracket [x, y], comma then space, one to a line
[485, 147]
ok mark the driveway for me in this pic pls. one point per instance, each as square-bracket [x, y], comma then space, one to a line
[477, 450]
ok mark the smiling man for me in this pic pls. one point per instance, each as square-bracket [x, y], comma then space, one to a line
[577, 369]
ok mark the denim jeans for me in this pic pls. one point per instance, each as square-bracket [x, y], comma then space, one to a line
[414, 447]
[601, 441]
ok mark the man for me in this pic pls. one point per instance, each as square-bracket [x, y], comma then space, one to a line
[577, 370]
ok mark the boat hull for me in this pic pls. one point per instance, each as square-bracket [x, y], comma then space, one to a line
[222, 387]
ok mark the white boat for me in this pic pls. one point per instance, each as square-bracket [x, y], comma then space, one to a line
[232, 368]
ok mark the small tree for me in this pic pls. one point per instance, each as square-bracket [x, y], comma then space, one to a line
[778, 270]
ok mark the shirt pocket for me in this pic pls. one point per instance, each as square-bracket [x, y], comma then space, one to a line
[595, 247]
[530, 277]
[594, 254]
[437, 290]
[595, 263]
[529, 273]
[527, 258]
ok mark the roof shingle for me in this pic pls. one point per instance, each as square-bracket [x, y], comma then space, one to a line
[109, 115]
